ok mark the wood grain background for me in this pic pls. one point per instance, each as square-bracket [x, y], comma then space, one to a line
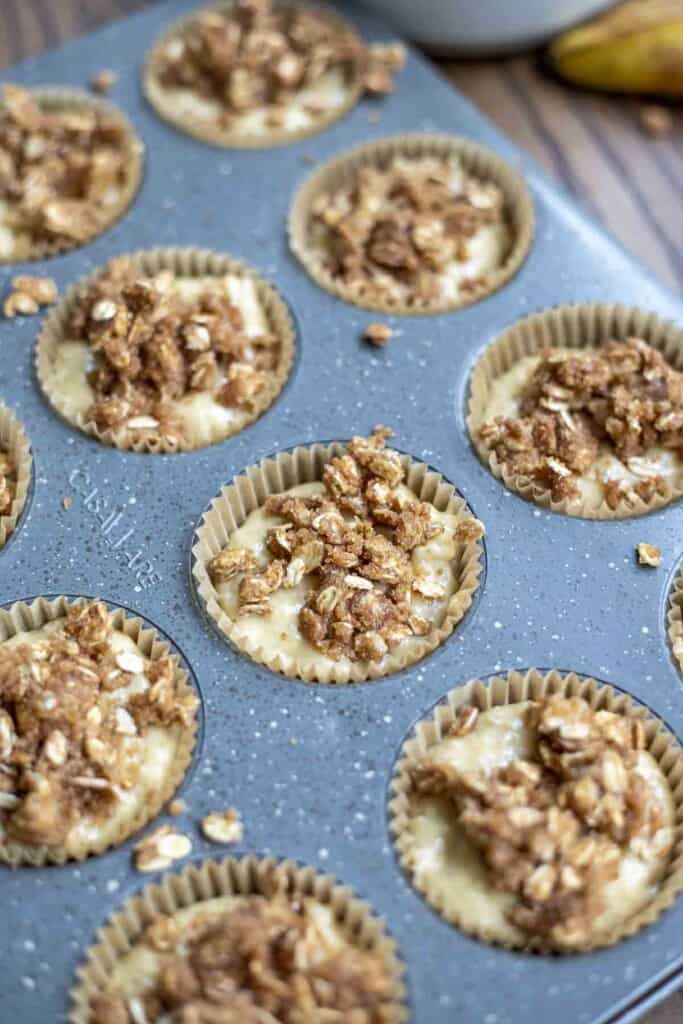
[592, 144]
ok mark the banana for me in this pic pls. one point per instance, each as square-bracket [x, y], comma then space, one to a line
[635, 48]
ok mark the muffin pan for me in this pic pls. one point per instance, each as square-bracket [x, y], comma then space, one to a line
[557, 592]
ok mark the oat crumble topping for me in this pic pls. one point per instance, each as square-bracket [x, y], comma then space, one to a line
[256, 963]
[553, 830]
[29, 294]
[73, 719]
[397, 229]
[8, 482]
[259, 55]
[354, 543]
[153, 346]
[60, 170]
[624, 395]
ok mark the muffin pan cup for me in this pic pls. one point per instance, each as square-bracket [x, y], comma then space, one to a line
[513, 689]
[23, 617]
[56, 98]
[14, 442]
[183, 263]
[165, 104]
[309, 766]
[581, 327]
[231, 876]
[476, 160]
[249, 491]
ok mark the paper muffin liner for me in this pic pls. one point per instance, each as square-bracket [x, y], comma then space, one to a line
[22, 617]
[674, 619]
[232, 876]
[13, 440]
[514, 688]
[476, 160]
[249, 491]
[52, 98]
[186, 263]
[162, 100]
[579, 326]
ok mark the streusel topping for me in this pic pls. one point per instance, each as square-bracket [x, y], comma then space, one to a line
[260, 960]
[417, 230]
[257, 55]
[623, 396]
[353, 544]
[61, 171]
[75, 711]
[8, 482]
[154, 345]
[554, 827]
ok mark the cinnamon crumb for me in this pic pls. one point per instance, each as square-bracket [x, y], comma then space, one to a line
[378, 334]
[103, 81]
[223, 826]
[177, 807]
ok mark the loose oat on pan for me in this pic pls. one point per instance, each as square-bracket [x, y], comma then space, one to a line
[543, 823]
[348, 577]
[166, 350]
[412, 224]
[69, 167]
[243, 942]
[95, 733]
[593, 429]
[256, 73]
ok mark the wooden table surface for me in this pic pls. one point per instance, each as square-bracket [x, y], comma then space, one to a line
[592, 144]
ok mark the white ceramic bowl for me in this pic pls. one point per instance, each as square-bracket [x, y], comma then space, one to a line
[479, 27]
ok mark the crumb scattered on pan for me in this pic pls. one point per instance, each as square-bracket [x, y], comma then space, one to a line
[382, 62]
[656, 121]
[103, 81]
[29, 294]
[66, 502]
[160, 848]
[177, 807]
[378, 334]
[223, 826]
[649, 554]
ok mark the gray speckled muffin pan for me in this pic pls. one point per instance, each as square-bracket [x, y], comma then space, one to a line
[558, 591]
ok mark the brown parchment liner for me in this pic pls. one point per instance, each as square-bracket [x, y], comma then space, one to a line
[512, 689]
[249, 491]
[162, 100]
[22, 617]
[476, 160]
[580, 326]
[231, 876]
[14, 441]
[52, 98]
[674, 618]
[184, 263]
